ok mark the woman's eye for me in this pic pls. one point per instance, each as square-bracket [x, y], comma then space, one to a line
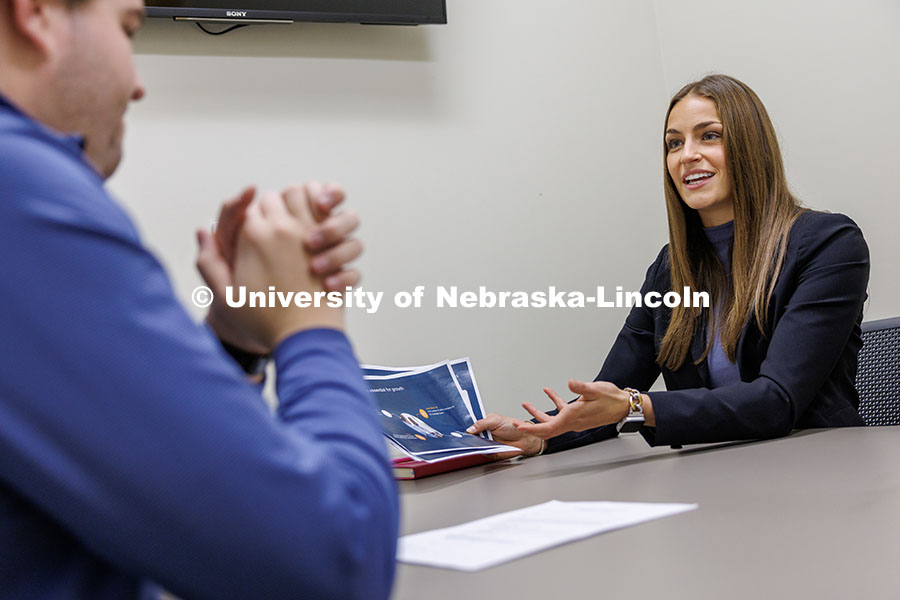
[673, 144]
[711, 135]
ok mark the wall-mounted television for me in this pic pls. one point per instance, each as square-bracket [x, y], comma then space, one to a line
[380, 12]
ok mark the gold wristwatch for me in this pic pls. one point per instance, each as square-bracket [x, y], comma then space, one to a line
[634, 420]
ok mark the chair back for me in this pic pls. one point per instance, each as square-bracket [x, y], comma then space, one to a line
[878, 376]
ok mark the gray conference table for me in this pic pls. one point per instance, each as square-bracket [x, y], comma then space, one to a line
[813, 515]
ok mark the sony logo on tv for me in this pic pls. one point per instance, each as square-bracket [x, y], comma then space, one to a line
[235, 13]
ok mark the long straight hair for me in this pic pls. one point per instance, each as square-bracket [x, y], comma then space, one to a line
[764, 212]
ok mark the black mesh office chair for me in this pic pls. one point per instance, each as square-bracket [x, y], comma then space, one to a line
[878, 377]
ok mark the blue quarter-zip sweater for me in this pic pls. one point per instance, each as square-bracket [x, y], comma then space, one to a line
[132, 451]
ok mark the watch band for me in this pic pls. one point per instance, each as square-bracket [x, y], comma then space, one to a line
[252, 364]
[634, 420]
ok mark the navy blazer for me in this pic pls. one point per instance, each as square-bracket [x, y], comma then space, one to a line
[800, 373]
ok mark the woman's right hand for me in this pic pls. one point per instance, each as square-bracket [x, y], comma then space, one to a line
[504, 431]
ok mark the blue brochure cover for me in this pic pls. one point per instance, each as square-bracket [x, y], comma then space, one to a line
[371, 371]
[424, 412]
[462, 369]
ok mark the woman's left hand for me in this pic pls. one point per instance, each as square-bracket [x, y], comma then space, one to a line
[599, 403]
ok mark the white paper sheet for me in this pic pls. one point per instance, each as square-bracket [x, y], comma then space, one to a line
[493, 540]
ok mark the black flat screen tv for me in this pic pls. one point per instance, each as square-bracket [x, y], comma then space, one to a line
[380, 12]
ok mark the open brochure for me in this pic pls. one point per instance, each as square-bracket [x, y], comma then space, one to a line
[425, 411]
[465, 377]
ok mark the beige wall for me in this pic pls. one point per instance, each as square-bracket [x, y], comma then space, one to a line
[511, 148]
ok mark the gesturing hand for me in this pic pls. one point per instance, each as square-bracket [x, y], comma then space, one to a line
[504, 431]
[599, 403]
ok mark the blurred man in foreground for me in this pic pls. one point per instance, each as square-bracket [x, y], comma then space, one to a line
[133, 452]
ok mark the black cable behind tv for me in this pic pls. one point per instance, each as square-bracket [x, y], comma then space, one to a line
[374, 12]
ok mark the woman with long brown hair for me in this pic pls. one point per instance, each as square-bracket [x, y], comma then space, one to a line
[775, 350]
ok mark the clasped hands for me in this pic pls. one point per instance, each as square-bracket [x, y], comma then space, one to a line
[295, 241]
[599, 403]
